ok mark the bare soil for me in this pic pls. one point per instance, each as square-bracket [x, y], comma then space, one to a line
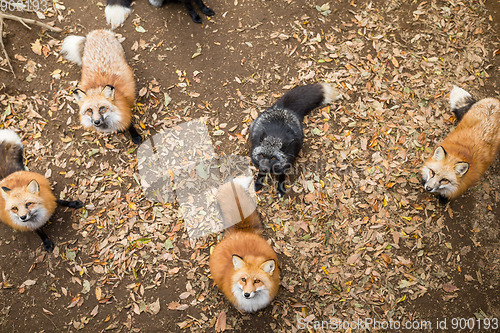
[248, 55]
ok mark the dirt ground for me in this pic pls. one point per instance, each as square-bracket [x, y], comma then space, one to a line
[357, 239]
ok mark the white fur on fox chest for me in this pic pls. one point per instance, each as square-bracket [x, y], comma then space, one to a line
[259, 301]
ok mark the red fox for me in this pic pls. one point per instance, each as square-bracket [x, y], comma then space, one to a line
[467, 152]
[243, 265]
[26, 200]
[107, 91]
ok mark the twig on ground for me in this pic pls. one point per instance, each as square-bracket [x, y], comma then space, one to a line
[24, 21]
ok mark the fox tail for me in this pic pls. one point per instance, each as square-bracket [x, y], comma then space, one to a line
[303, 99]
[117, 11]
[238, 208]
[460, 102]
[11, 153]
[72, 49]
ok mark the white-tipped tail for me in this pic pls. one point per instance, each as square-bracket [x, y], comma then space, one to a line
[235, 200]
[116, 14]
[72, 49]
[9, 136]
[156, 3]
[459, 98]
[330, 93]
[244, 182]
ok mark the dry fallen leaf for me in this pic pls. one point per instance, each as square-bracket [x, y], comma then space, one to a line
[220, 325]
[37, 47]
[449, 288]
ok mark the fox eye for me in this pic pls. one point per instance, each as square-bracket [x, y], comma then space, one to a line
[243, 279]
[29, 204]
[431, 172]
[273, 158]
[14, 209]
[102, 108]
[261, 155]
[444, 181]
[89, 111]
[256, 281]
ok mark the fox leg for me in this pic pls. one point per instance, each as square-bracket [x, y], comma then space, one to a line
[136, 137]
[281, 185]
[442, 199]
[207, 11]
[47, 243]
[71, 204]
[259, 183]
[196, 18]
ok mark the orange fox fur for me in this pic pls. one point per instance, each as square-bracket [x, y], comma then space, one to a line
[466, 153]
[19, 196]
[243, 265]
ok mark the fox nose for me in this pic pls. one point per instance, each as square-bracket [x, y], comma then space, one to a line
[428, 188]
[247, 295]
[23, 218]
[97, 122]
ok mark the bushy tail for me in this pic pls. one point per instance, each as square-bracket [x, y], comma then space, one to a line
[117, 11]
[460, 102]
[302, 100]
[11, 153]
[72, 49]
[238, 208]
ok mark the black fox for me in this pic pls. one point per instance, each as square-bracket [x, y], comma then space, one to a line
[117, 11]
[276, 136]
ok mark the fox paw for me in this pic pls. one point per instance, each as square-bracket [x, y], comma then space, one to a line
[76, 204]
[48, 245]
[443, 200]
[208, 11]
[258, 185]
[137, 139]
[196, 18]
[281, 190]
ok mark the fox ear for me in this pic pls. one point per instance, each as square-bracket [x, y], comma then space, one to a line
[439, 154]
[33, 187]
[79, 95]
[5, 192]
[268, 266]
[292, 144]
[262, 136]
[238, 262]
[109, 92]
[461, 168]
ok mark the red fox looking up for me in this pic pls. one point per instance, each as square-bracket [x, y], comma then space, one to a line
[26, 199]
[107, 91]
[243, 265]
[466, 153]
